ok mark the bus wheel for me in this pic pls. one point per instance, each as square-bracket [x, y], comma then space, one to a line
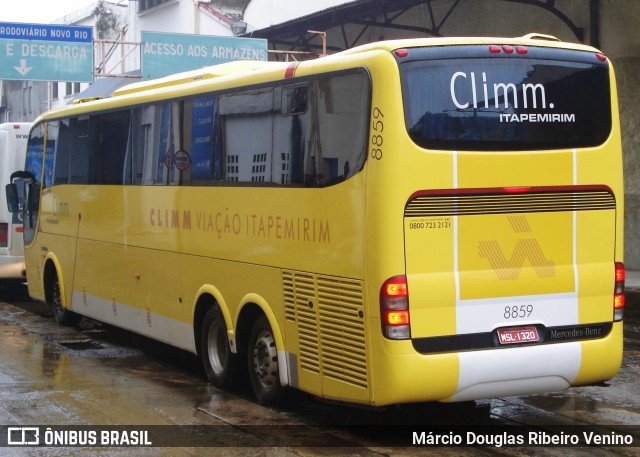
[263, 363]
[61, 315]
[217, 358]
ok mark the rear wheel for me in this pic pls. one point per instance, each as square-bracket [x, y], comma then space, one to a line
[216, 353]
[61, 315]
[263, 363]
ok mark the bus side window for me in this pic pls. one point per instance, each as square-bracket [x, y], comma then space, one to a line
[110, 147]
[134, 156]
[339, 126]
[247, 132]
[155, 135]
[35, 160]
[289, 136]
[146, 126]
[58, 139]
[166, 131]
[325, 138]
[78, 153]
[310, 134]
[35, 153]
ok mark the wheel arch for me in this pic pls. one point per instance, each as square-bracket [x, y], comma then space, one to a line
[251, 308]
[207, 297]
[52, 268]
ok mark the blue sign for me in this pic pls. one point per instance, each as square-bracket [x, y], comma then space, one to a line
[167, 53]
[202, 115]
[46, 52]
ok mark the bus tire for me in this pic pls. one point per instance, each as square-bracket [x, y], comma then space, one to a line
[61, 315]
[263, 363]
[217, 359]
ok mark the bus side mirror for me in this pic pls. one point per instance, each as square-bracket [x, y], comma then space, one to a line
[13, 202]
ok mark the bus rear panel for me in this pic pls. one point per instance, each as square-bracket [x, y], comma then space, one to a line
[513, 248]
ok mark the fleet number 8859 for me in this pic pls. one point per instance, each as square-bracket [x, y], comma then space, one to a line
[517, 312]
[377, 127]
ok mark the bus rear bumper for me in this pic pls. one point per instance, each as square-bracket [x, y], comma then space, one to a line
[492, 373]
[538, 369]
[517, 371]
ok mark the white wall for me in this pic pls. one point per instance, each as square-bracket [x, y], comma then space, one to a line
[264, 13]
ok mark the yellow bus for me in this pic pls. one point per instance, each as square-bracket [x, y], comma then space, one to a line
[406, 221]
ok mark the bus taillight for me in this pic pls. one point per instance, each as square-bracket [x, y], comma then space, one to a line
[507, 49]
[618, 294]
[4, 235]
[394, 308]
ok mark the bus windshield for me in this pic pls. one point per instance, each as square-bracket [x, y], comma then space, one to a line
[468, 98]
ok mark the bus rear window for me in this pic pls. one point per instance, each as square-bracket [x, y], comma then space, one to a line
[462, 98]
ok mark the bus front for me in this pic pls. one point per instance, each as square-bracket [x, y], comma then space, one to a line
[508, 175]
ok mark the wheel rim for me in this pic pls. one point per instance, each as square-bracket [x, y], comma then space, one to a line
[217, 348]
[265, 359]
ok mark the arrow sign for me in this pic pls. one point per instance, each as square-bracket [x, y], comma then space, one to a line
[46, 52]
[23, 69]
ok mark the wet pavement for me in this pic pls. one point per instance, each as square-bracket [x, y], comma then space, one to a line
[97, 375]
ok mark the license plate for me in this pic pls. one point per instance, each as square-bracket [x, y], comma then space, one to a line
[518, 335]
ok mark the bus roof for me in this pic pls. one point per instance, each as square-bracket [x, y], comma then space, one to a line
[214, 71]
[531, 39]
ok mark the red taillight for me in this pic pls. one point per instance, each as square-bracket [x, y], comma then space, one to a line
[394, 308]
[4, 235]
[517, 190]
[507, 49]
[601, 57]
[402, 53]
[396, 287]
[397, 317]
[620, 274]
[618, 293]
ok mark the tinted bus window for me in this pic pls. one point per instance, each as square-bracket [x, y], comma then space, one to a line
[545, 99]
[34, 164]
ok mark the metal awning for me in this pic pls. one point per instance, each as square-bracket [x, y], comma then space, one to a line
[347, 23]
[104, 87]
